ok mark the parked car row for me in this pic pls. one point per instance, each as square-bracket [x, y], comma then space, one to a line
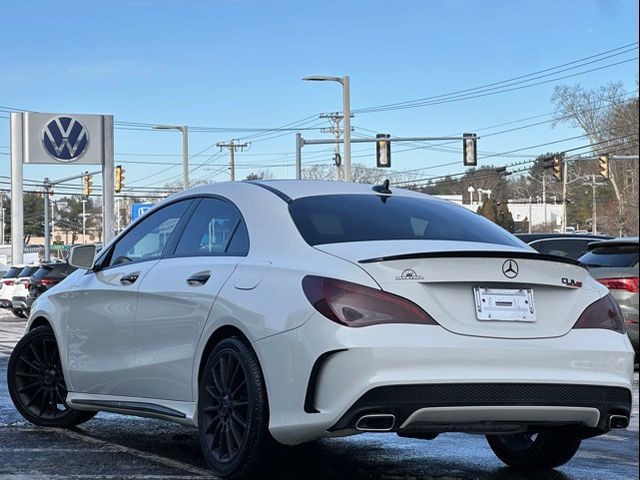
[611, 261]
[614, 263]
[22, 284]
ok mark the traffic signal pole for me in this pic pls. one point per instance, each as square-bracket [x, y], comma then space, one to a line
[301, 142]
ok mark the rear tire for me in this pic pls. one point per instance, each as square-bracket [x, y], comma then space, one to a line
[18, 312]
[36, 383]
[543, 451]
[233, 413]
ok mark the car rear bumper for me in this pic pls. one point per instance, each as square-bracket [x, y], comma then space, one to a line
[321, 376]
[488, 407]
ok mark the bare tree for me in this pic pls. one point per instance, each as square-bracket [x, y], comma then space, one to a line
[609, 119]
[359, 173]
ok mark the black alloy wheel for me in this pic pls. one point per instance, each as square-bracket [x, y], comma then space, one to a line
[36, 383]
[232, 410]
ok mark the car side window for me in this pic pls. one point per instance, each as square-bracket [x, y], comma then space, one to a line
[215, 228]
[148, 239]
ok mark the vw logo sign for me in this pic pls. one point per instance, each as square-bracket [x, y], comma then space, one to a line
[65, 139]
[510, 268]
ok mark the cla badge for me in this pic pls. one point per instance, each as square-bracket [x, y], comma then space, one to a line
[65, 139]
[510, 268]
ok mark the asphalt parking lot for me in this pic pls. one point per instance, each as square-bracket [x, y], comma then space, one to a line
[117, 447]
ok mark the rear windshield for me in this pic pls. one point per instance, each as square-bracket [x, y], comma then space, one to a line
[12, 272]
[42, 272]
[28, 271]
[52, 271]
[611, 256]
[357, 218]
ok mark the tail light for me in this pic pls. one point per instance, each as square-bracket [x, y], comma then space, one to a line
[355, 305]
[629, 284]
[25, 283]
[8, 282]
[604, 313]
[46, 281]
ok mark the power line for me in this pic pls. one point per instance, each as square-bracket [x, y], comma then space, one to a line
[459, 94]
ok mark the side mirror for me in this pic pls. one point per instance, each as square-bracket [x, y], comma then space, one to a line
[82, 256]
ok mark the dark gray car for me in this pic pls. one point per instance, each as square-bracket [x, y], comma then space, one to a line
[614, 263]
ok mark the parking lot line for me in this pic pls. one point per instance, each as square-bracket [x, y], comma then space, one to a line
[199, 472]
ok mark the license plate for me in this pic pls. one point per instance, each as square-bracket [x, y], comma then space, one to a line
[504, 304]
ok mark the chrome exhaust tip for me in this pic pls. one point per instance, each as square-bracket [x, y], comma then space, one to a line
[376, 422]
[618, 421]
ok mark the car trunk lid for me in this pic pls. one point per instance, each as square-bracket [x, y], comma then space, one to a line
[442, 277]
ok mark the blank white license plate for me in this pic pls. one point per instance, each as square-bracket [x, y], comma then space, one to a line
[504, 304]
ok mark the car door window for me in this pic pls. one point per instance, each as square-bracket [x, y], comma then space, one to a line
[215, 228]
[147, 239]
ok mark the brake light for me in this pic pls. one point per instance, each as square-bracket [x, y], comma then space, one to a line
[355, 305]
[25, 283]
[629, 284]
[46, 281]
[604, 313]
[8, 282]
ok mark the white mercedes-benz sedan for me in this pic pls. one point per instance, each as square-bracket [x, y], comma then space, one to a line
[283, 311]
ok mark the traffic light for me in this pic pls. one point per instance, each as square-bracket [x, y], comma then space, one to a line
[557, 167]
[383, 150]
[87, 184]
[604, 165]
[469, 152]
[119, 183]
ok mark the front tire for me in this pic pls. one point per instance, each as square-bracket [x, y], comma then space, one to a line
[36, 383]
[233, 412]
[542, 451]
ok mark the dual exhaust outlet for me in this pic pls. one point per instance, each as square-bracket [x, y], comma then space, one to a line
[384, 422]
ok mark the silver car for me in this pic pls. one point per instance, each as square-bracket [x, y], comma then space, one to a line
[614, 263]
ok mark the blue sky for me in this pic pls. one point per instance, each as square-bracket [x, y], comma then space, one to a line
[239, 63]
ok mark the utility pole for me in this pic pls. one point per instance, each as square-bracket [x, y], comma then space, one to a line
[593, 199]
[594, 185]
[544, 197]
[232, 146]
[2, 210]
[118, 215]
[53, 219]
[47, 221]
[84, 220]
[565, 185]
[335, 119]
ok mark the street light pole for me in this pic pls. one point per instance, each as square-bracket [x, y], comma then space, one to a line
[346, 112]
[184, 129]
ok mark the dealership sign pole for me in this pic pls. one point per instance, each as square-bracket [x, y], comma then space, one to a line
[54, 138]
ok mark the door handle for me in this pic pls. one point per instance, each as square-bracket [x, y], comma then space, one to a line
[198, 279]
[130, 278]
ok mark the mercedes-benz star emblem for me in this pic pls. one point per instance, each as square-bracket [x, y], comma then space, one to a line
[510, 268]
[65, 139]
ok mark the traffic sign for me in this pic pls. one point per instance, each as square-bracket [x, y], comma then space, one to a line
[139, 209]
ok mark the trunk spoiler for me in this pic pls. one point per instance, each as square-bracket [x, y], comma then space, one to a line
[477, 254]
